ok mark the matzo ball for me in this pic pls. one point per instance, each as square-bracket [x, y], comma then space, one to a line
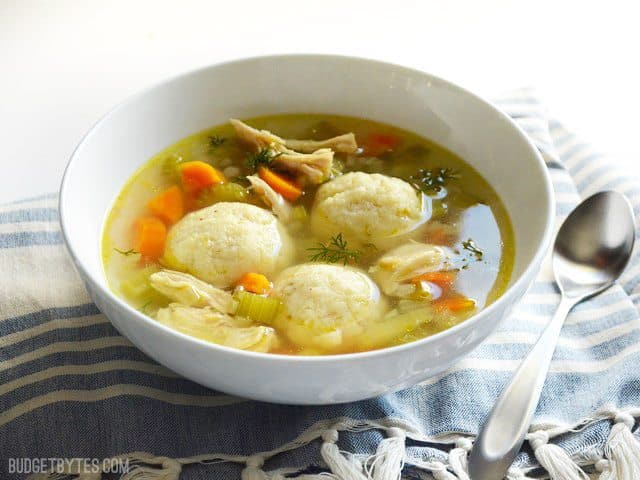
[327, 306]
[220, 243]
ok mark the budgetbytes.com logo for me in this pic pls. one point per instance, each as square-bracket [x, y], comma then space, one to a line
[66, 466]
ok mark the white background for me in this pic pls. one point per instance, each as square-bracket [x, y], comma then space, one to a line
[64, 64]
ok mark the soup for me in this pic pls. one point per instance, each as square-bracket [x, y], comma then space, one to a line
[307, 235]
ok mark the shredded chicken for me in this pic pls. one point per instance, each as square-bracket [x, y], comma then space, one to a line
[341, 144]
[315, 166]
[280, 207]
[210, 325]
[258, 138]
[190, 291]
[394, 269]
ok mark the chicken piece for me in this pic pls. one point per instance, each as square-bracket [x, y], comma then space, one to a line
[394, 269]
[258, 138]
[341, 144]
[190, 291]
[280, 207]
[215, 327]
[345, 143]
[315, 166]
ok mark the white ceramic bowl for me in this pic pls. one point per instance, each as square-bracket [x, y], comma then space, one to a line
[134, 131]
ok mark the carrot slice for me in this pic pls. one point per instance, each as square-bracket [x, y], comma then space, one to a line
[378, 143]
[456, 303]
[255, 283]
[150, 236]
[285, 187]
[197, 175]
[443, 279]
[168, 205]
[439, 236]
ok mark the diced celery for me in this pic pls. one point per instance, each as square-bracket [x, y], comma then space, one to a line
[258, 308]
[223, 192]
[137, 284]
[299, 214]
[171, 166]
[298, 218]
[135, 289]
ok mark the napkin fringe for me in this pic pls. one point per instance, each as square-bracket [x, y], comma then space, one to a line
[622, 449]
[618, 460]
[388, 461]
[554, 459]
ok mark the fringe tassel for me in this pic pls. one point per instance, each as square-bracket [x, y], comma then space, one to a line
[458, 458]
[144, 467]
[388, 461]
[554, 459]
[440, 472]
[282, 475]
[622, 449]
[343, 468]
[604, 467]
[253, 470]
[170, 471]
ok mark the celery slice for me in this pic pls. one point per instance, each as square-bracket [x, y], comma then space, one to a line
[260, 309]
[137, 284]
[298, 218]
[299, 214]
[171, 166]
[223, 192]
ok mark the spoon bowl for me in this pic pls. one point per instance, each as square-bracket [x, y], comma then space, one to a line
[593, 245]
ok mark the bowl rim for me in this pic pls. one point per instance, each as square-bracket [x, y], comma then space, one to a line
[519, 283]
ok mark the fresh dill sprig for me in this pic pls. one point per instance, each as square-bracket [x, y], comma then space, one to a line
[262, 158]
[216, 141]
[470, 246]
[433, 180]
[335, 251]
[126, 253]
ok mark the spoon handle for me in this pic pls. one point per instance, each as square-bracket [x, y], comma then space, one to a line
[504, 430]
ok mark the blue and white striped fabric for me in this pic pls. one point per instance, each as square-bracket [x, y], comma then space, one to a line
[71, 386]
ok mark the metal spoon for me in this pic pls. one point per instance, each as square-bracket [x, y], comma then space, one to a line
[591, 250]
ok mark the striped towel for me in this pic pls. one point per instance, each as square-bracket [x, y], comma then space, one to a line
[72, 387]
